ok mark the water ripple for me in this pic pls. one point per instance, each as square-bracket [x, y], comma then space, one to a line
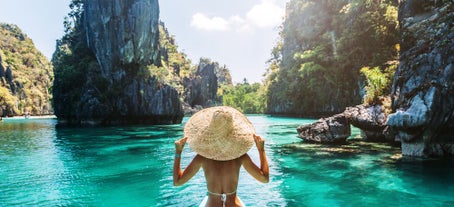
[42, 165]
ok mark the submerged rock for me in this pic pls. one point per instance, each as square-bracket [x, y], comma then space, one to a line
[332, 130]
[422, 91]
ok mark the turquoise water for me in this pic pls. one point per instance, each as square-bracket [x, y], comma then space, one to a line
[44, 165]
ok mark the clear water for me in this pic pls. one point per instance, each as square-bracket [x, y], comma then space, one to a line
[43, 165]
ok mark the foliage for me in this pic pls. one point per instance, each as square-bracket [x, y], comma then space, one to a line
[378, 83]
[248, 98]
[315, 66]
[26, 87]
[7, 101]
[71, 61]
[175, 64]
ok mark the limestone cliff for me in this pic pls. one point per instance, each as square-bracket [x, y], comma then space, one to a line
[123, 35]
[25, 75]
[104, 68]
[423, 86]
[201, 90]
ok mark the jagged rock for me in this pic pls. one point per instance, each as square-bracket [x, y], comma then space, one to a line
[332, 130]
[371, 120]
[119, 88]
[202, 89]
[123, 35]
[9, 74]
[2, 69]
[422, 92]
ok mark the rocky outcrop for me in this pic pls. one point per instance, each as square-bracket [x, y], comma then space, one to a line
[423, 86]
[123, 35]
[202, 89]
[332, 130]
[2, 69]
[119, 86]
[371, 120]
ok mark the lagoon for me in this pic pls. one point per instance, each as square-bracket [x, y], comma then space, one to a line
[45, 165]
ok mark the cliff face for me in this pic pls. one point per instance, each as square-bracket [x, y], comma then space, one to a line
[117, 86]
[423, 86]
[202, 89]
[25, 75]
[123, 35]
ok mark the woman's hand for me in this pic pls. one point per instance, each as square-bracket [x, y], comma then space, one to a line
[259, 142]
[179, 144]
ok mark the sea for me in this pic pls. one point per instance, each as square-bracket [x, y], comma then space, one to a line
[43, 164]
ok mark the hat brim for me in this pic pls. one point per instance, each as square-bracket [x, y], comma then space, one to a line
[218, 146]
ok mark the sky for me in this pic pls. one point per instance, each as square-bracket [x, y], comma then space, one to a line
[239, 34]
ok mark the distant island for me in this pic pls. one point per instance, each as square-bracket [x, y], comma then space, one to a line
[25, 75]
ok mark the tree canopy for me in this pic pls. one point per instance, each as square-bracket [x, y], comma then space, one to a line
[315, 66]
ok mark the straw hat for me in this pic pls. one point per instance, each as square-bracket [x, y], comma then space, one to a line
[219, 133]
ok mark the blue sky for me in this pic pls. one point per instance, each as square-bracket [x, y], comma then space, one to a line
[237, 33]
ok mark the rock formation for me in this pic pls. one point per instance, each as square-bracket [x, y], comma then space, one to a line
[202, 89]
[2, 69]
[423, 86]
[117, 87]
[332, 130]
[123, 35]
[371, 120]
[422, 92]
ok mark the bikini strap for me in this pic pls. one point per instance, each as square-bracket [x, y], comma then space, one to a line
[223, 196]
[220, 194]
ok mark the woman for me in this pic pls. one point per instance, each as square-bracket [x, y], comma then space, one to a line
[221, 137]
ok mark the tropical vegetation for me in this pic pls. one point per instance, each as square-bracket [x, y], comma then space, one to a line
[25, 75]
[329, 55]
[315, 68]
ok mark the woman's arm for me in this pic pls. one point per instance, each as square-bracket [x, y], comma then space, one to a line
[262, 173]
[181, 177]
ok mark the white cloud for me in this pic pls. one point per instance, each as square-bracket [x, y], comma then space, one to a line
[239, 24]
[266, 14]
[201, 21]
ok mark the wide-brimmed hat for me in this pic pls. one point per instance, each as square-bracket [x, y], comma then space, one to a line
[219, 133]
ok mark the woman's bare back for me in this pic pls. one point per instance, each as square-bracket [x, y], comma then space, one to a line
[222, 178]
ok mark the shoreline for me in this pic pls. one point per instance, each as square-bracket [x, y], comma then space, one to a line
[30, 117]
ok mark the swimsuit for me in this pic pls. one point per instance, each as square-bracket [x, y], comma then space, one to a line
[223, 195]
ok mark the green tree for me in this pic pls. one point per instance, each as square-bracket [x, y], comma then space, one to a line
[25, 76]
[378, 83]
[248, 98]
[315, 67]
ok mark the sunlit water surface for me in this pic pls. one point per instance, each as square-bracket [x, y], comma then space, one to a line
[45, 165]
